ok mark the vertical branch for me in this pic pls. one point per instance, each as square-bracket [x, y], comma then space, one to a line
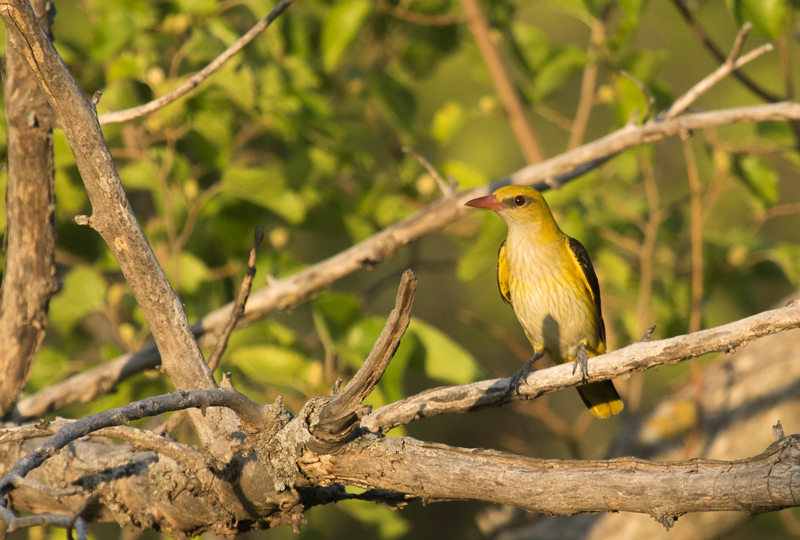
[113, 218]
[645, 253]
[523, 131]
[696, 206]
[695, 316]
[588, 83]
[28, 277]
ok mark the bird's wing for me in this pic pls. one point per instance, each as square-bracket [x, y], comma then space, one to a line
[502, 274]
[581, 258]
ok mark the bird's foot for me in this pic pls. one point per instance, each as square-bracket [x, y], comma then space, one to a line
[522, 372]
[581, 364]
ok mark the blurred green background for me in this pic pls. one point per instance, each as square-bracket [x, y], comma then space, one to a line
[301, 135]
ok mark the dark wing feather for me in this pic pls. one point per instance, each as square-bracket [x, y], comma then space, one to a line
[582, 258]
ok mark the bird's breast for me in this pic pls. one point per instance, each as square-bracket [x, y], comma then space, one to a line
[550, 299]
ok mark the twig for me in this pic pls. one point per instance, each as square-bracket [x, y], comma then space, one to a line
[15, 523]
[588, 82]
[631, 359]
[239, 306]
[523, 131]
[142, 110]
[338, 418]
[293, 290]
[696, 312]
[731, 64]
[717, 53]
[446, 187]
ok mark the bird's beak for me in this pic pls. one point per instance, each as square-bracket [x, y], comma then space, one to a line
[489, 202]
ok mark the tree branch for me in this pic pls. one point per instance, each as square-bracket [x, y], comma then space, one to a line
[200, 76]
[336, 420]
[633, 358]
[251, 414]
[730, 65]
[29, 273]
[293, 290]
[718, 55]
[664, 490]
[523, 131]
[238, 308]
[112, 215]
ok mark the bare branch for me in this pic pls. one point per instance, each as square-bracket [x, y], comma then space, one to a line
[731, 64]
[523, 131]
[293, 290]
[447, 189]
[337, 419]
[241, 302]
[200, 76]
[719, 56]
[664, 490]
[251, 414]
[633, 358]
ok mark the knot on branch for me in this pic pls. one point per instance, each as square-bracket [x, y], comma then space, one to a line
[334, 423]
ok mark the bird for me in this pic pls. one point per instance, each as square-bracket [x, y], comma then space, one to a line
[549, 280]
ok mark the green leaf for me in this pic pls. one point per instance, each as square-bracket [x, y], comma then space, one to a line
[558, 69]
[389, 524]
[274, 365]
[341, 26]
[787, 256]
[340, 311]
[193, 272]
[466, 175]
[447, 121]
[396, 101]
[760, 180]
[767, 16]
[776, 132]
[83, 292]
[444, 359]
[265, 187]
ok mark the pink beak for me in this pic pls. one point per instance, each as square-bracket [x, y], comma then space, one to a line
[489, 202]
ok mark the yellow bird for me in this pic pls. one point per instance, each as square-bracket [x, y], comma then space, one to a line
[548, 279]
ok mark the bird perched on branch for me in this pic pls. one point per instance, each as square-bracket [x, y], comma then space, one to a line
[548, 279]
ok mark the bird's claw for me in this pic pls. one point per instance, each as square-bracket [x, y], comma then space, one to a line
[581, 364]
[522, 372]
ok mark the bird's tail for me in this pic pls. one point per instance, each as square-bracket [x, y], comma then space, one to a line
[601, 398]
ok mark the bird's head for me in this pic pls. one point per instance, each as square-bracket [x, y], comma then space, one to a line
[517, 205]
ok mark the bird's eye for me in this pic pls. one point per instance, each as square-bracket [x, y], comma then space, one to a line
[520, 200]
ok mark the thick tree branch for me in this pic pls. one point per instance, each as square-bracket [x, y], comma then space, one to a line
[251, 414]
[28, 276]
[336, 420]
[293, 290]
[112, 215]
[636, 357]
[664, 490]
[143, 110]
